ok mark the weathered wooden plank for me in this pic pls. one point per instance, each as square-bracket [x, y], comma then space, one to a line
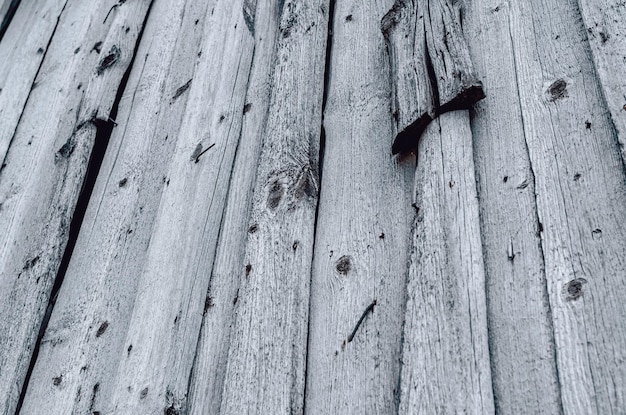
[520, 328]
[445, 357]
[23, 48]
[208, 375]
[413, 101]
[165, 322]
[362, 233]
[266, 360]
[85, 338]
[7, 11]
[604, 21]
[457, 86]
[581, 196]
[46, 165]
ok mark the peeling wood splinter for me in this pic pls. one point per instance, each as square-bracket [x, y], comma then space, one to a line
[432, 72]
[358, 324]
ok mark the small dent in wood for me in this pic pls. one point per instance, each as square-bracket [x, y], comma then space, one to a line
[247, 107]
[143, 393]
[596, 233]
[208, 303]
[577, 177]
[275, 194]
[344, 265]
[40, 51]
[130, 349]
[505, 179]
[122, 182]
[253, 228]
[248, 270]
[57, 380]
[295, 245]
[349, 18]
[574, 289]
[30, 263]
[76, 50]
[588, 125]
[181, 90]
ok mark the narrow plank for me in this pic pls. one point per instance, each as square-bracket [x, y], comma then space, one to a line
[604, 21]
[445, 357]
[160, 344]
[46, 166]
[23, 48]
[85, 338]
[208, 375]
[266, 361]
[413, 100]
[362, 234]
[581, 196]
[523, 365]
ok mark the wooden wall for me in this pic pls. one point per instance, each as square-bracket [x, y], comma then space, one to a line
[200, 211]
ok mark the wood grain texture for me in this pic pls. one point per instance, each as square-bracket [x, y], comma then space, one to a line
[362, 233]
[445, 357]
[457, 86]
[604, 21]
[581, 195]
[45, 168]
[7, 12]
[229, 268]
[163, 328]
[523, 362]
[85, 338]
[23, 48]
[413, 101]
[266, 361]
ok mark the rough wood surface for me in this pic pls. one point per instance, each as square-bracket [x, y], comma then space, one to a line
[266, 361]
[581, 195]
[85, 339]
[520, 323]
[445, 357]
[208, 375]
[7, 10]
[164, 325]
[23, 48]
[457, 86]
[604, 21]
[46, 166]
[362, 233]
[413, 102]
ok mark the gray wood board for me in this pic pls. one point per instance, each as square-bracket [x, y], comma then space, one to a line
[362, 233]
[46, 164]
[581, 199]
[445, 356]
[522, 355]
[267, 357]
[85, 338]
[207, 380]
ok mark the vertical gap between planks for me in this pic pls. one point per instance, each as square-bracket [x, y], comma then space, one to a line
[104, 129]
[322, 150]
[8, 17]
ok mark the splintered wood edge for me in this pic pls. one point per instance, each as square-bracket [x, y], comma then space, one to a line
[407, 139]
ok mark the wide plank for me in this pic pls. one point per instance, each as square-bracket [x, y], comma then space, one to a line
[581, 200]
[85, 339]
[521, 341]
[445, 355]
[46, 166]
[363, 227]
[267, 357]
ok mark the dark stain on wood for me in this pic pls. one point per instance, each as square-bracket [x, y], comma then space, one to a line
[249, 9]
[130, 349]
[208, 303]
[247, 107]
[57, 380]
[143, 393]
[103, 327]
[253, 228]
[30, 263]
[573, 290]
[122, 182]
[109, 60]
[181, 90]
[66, 150]
[344, 265]
[94, 395]
[97, 47]
[275, 194]
[248, 269]
[295, 245]
[557, 90]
